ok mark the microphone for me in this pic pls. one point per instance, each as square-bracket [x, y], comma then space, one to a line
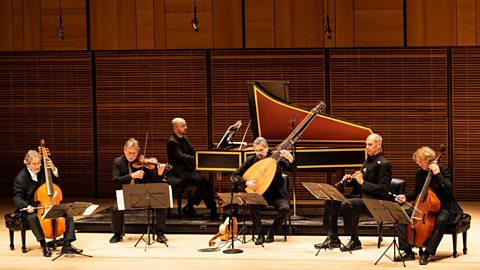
[328, 32]
[195, 20]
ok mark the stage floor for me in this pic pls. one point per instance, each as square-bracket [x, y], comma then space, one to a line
[182, 253]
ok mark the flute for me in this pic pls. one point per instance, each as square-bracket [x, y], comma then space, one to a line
[350, 177]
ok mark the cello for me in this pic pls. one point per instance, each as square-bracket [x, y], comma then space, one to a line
[425, 210]
[48, 194]
[263, 171]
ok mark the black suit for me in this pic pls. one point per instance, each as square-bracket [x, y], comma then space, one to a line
[24, 188]
[450, 211]
[377, 176]
[181, 155]
[121, 176]
[276, 194]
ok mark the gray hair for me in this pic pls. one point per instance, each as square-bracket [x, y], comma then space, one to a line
[132, 142]
[30, 155]
[177, 120]
[376, 138]
[261, 141]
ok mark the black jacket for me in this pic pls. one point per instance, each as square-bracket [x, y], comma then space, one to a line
[181, 155]
[121, 174]
[24, 187]
[377, 176]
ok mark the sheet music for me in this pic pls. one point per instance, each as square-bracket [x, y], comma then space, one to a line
[120, 200]
[90, 209]
[170, 195]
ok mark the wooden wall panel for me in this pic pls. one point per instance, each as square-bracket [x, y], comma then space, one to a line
[48, 95]
[378, 23]
[6, 21]
[299, 24]
[145, 24]
[179, 29]
[343, 24]
[431, 23]
[466, 121]
[74, 20]
[113, 24]
[227, 24]
[159, 23]
[32, 38]
[140, 92]
[400, 93]
[231, 69]
[466, 23]
[259, 24]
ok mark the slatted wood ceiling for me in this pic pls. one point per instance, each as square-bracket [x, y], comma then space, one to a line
[466, 121]
[400, 93]
[231, 69]
[142, 91]
[48, 95]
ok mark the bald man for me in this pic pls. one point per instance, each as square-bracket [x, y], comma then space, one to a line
[181, 155]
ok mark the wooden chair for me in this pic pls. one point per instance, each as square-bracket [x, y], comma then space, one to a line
[462, 227]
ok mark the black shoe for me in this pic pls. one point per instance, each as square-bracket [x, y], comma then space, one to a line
[189, 211]
[332, 243]
[76, 250]
[46, 251]
[270, 236]
[260, 240]
[161, 238]
[117, 237]
[424, 258]
[405, 256]
[351, 246]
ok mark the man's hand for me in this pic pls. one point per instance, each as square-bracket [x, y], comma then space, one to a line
[30, 209]
[138, 174]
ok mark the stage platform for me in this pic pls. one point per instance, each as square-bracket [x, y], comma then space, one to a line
[136, 221]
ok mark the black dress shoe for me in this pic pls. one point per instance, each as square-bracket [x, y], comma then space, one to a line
[117, 237]
[76, 250]
[329, 243]
[270, 237]
[260, 240]
[424, 258]
[405, 256]
[161, 238]
[46, 251]
[351, 246]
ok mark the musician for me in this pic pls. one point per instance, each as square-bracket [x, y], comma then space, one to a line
[181, 155]
[124, 173]
[372, 181]
[25, 184]
[276, 194]
[450, 211]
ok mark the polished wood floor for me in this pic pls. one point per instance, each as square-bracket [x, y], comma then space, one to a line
[182, 253]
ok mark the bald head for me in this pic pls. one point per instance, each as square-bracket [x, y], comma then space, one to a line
[179, 126]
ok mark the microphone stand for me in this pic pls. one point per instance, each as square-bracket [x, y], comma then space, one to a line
[233, 250]
[294, 152]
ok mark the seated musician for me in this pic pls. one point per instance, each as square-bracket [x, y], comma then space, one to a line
[25, 184]
[373, 180]
[450, 211]
[181, 155]
[276, 194]
[125, 173]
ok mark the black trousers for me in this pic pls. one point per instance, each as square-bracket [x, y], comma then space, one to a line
[117, 218]
[37, 230]
[443, 220]
[283, 210]
[203, 190]
[351, 213]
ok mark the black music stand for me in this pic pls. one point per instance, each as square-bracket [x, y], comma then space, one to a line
[383, 211]
[149, 197]
[69, 210]
[250, 199]
[326, 192]
[231, 199]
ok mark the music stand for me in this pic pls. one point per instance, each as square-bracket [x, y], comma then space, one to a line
[69, 210]
[149, 197]
[326, 192]
[383, 211]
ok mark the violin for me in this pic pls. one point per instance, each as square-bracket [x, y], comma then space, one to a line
[151, 164]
